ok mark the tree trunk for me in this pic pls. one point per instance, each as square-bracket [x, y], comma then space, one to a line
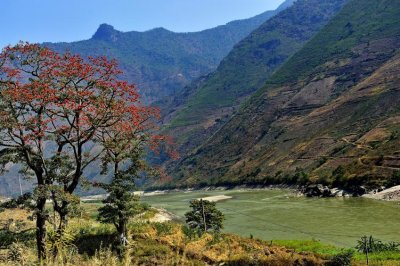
[63, 214]
[63, 223]
[123, 236]
[41, 229]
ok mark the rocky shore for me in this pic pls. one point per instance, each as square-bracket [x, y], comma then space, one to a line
[318, 190]
[390, 194]
[322, 191]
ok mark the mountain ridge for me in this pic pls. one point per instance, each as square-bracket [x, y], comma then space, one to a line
[328, 116]
[246, 68]
[162, 62]
[159, 61]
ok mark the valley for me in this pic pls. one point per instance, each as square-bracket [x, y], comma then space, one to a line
[268, 141]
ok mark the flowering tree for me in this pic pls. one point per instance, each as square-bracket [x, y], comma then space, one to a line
[125, 143]
[56, 112]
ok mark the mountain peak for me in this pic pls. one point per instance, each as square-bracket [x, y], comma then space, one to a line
[106, 32]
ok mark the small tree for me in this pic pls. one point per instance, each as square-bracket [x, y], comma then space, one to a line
[125, 144]
[119, 207]
[204, 216]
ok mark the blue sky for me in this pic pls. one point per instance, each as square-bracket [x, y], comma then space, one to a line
[73, 20]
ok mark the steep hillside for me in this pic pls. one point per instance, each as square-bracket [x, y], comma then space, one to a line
[329, 115]
[247, 67]
[159, 61]
[162, 62]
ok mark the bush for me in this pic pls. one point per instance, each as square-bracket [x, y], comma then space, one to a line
[8, 237]
[163, 228]
[394, 179]
[16, 253]
[342, 259]
[371, 245]
[190, 233]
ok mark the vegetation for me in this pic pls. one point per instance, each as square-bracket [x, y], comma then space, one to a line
[124, 149]
[300, 118]
[248, 66]
[119, 207]
[339, 255]
[161, 61]
[372, 245]
[92, 243]
[204, 217]
[328, 45]
[54, 108]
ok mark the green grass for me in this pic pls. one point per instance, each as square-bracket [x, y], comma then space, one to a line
[313, 246]
[379, 256]
[328, 251]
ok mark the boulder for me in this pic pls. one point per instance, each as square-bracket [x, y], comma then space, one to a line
[317, 191]
[359, 190]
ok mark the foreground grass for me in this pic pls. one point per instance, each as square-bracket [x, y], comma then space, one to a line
[89, 242]
[326, 251]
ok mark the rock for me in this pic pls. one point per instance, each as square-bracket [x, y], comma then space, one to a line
[359, 191]
[317, 191]
[390, 194]
[382, 188]
[336, 192]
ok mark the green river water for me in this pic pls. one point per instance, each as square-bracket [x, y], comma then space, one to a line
[280, 215]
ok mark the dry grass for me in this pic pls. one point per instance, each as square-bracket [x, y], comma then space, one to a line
[151, 244]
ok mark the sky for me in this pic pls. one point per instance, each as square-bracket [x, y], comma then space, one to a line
[74, 20]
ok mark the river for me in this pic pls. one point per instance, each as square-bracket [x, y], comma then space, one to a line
[281, 215]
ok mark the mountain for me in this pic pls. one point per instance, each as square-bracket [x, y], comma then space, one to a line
[159, 61]
[162, 62]
[206, 104]
[329, 115]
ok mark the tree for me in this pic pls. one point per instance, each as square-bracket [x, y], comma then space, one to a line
[125, 144]
[52, 109]
[204, 216]
[119, 206]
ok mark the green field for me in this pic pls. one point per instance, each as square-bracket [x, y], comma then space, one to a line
[280, 215]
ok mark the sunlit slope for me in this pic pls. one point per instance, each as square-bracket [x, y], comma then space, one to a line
[336, 102]
[247, 67]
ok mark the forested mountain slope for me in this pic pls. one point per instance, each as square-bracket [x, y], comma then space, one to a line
[248, 66]
[331, 114]
[162, 62]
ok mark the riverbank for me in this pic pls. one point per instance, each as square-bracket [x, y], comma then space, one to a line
[390, 194]
[317, 190]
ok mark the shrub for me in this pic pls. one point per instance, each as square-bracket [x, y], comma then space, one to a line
[15, 253]
[342, 259]
[394, 180]
[371, 245]
[190, 233]
[163, 228]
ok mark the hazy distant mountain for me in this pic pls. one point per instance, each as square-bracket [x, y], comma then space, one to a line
[162, 62]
